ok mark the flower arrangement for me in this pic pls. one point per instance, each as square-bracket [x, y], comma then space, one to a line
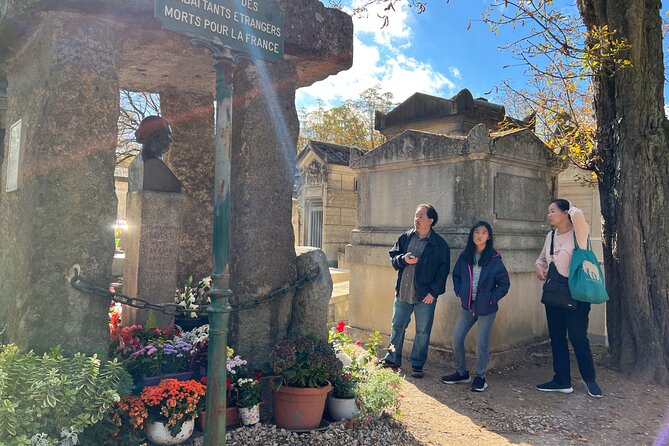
[356, 362]
[171, 402]
[152, 352]
[305, 362]
[192, 297]
[160, 358]
[248, 388]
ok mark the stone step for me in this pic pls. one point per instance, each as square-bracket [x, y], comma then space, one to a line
[339, 275]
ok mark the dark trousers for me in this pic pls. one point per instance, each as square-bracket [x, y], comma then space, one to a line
[561, 322]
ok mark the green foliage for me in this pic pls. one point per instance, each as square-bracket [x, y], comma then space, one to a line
[381, 391]
[357, 363]
[305, 362]
[53, 397]
[349, 124]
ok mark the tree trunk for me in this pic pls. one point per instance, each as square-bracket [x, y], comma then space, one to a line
[632, 141]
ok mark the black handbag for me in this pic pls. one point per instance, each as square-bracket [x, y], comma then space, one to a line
[556, 288]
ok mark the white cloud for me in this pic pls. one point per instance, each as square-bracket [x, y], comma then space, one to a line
[380, 56]
[397, 28]
[455, 72]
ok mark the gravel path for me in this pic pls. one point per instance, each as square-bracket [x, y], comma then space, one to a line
[511, 411]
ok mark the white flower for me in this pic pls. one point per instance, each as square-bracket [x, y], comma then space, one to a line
[344, 358]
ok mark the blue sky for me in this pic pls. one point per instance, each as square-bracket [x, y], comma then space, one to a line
[432, 53]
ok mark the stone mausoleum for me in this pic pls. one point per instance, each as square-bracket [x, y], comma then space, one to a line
[327, 199]
[63, 64]
[450, 153]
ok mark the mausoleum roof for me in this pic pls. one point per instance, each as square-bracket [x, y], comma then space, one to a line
[422, 106]
[330, 153]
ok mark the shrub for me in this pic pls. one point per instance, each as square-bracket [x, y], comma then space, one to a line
[52, 399]
[381, 391]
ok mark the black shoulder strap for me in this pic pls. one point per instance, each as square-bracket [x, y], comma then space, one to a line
[552, 238]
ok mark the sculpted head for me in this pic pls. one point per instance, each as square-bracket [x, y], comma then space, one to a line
[155, 135]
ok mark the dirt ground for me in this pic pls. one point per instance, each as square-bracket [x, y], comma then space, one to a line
[512, 411]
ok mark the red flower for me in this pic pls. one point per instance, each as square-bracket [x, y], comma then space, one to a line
[228, 383]
[203, 380]
[258, 376]
[341, 326]
[358, 344]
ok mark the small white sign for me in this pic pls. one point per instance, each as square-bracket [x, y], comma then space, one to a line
[14, 156]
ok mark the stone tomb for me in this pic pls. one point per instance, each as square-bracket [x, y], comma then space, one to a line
[505, 178]
[64, 63]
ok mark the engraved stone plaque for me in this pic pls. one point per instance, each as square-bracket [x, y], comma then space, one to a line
[520, 198]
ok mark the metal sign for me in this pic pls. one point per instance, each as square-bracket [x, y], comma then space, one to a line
[253, 27]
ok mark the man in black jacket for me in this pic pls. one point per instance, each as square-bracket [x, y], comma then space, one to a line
[422, 260]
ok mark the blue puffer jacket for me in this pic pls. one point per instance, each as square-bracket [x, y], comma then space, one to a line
[493, 285]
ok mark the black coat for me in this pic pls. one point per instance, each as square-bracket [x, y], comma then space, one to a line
[432, 267]
[493, 285]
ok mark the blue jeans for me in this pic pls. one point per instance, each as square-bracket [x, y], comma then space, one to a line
[465, 322]
[401, 318]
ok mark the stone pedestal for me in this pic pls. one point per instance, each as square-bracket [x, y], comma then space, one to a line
[63, 84]
[150, 267]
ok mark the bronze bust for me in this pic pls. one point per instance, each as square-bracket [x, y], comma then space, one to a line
[148, 171]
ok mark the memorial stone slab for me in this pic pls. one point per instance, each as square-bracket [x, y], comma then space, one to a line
[150, 267]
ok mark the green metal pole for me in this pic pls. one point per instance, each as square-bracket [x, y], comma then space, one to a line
[219, 309]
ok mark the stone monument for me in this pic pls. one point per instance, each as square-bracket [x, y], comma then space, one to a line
[65, 62]
[154, 214]
[469, 171]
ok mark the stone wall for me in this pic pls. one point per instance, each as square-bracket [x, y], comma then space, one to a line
[64, 86]
[339, 210]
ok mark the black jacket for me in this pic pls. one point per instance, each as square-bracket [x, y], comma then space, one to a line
[493, 285]
[432, 267]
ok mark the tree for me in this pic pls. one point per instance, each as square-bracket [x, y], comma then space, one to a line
[632, 141]
[348, 124]
[620, 51]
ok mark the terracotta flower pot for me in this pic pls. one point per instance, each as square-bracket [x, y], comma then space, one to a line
[299, 408]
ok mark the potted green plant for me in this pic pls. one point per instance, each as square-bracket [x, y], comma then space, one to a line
[248, 388]
[305, 367]
[357, 365]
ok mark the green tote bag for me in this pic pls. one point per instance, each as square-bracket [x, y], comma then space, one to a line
[586, 280]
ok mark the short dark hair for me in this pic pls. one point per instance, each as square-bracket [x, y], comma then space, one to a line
[431, 212]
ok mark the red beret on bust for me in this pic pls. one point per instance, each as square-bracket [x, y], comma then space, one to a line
[149, 126]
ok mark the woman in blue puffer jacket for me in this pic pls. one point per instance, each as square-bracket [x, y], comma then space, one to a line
[480, 281]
